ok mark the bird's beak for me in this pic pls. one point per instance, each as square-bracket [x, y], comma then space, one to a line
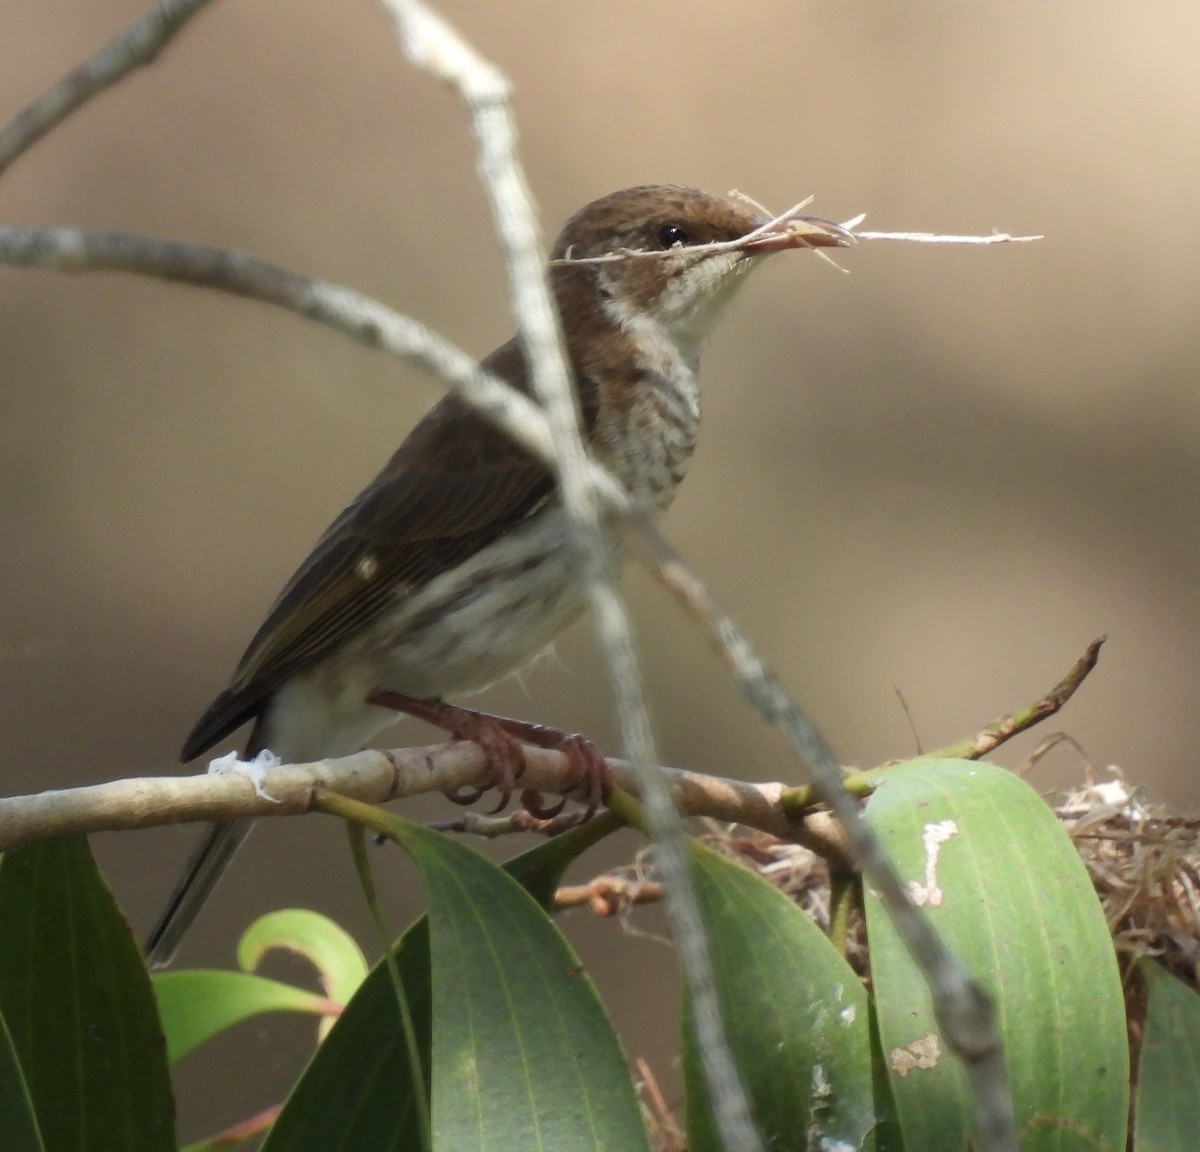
[800, 232]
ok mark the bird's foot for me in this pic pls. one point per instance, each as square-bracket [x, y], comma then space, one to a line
[592, 775]
[501, 738]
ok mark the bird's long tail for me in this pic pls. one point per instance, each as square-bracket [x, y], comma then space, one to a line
[193, 888]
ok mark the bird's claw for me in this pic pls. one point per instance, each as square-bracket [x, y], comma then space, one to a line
[501, 739]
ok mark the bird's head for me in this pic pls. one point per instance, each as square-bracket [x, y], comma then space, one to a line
[665, 259]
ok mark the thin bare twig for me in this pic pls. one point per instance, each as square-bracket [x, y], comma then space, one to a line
[798, 801]
[138, 45]
[943, 238]
[1023, 719]
[665, 1133]
[800, 228]
[908, 715]
[435, 46]
[608, 895]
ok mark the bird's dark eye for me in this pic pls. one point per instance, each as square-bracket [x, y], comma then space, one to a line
[671, 234]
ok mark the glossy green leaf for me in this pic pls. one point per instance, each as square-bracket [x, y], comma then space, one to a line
[795, 1016]
[325, 944]
[1166, 1117]
[523, 1055]
[198, 1004]
[76, 997]
[886, 1135]
[356, 1094]
[1004, 887]
[18, 1125]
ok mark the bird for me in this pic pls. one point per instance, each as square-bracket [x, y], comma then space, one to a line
[452, 568]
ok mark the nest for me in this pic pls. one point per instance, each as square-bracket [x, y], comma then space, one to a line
[1145, 865]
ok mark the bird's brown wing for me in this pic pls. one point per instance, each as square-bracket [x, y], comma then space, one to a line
[453, 486]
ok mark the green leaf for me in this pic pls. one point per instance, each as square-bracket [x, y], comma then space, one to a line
[1167, 1115]
[326, 945]
[356, 1094]
[196, 1005]
[18, 1125]
[523, 1054]
[886, 1135]
[76, 997]
[795, 1016]
[1003, 885]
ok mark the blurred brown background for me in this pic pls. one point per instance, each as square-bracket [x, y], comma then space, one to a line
[943, 473]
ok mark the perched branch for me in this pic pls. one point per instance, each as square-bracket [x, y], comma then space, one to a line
[374, 777]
